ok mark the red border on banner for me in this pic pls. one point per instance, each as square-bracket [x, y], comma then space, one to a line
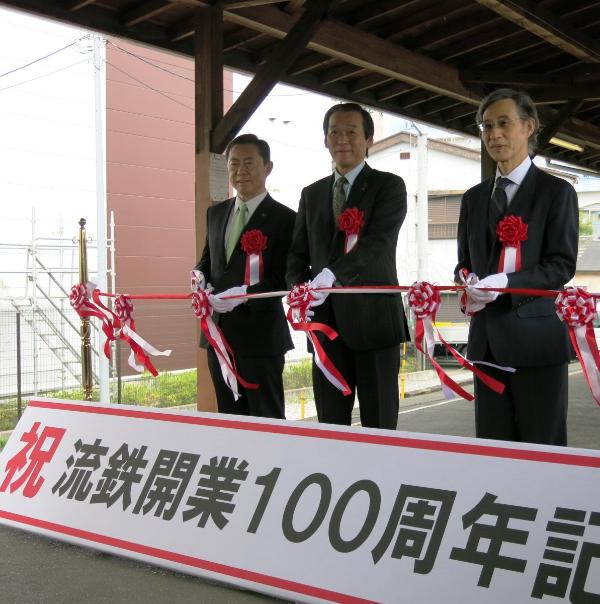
[332, 434]
[154, 552]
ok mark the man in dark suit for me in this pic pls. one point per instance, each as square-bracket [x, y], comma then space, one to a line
[256, 330]
[370, 326]
[522, 332]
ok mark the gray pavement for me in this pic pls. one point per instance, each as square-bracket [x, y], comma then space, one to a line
[36, 570]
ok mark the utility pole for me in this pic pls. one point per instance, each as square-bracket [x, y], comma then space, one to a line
[100, 135]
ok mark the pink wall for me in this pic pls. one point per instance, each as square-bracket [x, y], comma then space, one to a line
[150, 188]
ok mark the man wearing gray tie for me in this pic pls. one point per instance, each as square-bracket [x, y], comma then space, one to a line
[370, 326]
[521, 332]
[257, 330]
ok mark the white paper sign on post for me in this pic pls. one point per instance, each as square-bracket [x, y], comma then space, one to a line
[310, 512]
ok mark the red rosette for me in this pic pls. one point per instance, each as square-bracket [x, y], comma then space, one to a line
[575, 306]
[78, 296]
[253, 241]
[201, 305]
[424, 299]
[123, 307]
[351, 220]
[511, 231]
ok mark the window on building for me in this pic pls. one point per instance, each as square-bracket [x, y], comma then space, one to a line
[443, 211]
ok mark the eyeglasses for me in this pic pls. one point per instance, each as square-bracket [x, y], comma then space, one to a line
[504, 123]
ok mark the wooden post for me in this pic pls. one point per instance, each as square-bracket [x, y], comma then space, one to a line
[208, 39]
[488, 165]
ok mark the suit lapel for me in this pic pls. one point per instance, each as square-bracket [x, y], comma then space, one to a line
[255, 222]
[525, 193]
[222, 217]
[519, 203]
[355, 199]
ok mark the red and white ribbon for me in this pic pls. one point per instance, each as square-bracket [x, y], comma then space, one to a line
[81, 300]
[253, 243]
[511, 231]
[140, 348]
[254, 269]
[299, 300]
[351, 221]
[577, 308]
[425, 300]
[215, 337]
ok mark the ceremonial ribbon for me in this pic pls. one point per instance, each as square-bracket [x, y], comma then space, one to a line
[80, 299]
[253, 243]
[350, 221]
[511, 231]
[215, 337]
[140, 348]
[577, 308]
[425, 300]
[299, 300]
[582, 337]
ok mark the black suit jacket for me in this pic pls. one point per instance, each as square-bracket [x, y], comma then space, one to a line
[257, 327]
[522, 331]
[365, 321]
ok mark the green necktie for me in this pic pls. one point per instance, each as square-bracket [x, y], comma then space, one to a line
[239, 223]
[339, 196]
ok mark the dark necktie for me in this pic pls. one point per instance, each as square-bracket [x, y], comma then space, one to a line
[339, 196]
[499, 201]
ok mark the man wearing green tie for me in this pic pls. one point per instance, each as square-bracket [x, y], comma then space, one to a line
[256, 330]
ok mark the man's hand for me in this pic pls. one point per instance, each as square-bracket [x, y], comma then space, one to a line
[223, 306]
[324, 279]
[478, 295]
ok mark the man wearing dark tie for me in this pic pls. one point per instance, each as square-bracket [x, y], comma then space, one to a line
[256, 330]
[370, 326]
[520, 332]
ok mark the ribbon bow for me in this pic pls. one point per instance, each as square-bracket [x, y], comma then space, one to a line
[214, 336]
[425, 301]
[577, 308]
[140, 348]
[299, 300]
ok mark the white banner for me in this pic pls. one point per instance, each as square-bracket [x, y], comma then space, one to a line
[310, 512]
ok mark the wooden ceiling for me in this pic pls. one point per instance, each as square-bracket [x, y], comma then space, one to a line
[428, 60]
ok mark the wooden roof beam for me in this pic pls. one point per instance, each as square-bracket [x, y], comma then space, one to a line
[269, 73]
[364, 50]
[512, 78]
[568, 93]
[559, 119]
[143, 11]
[530, 16]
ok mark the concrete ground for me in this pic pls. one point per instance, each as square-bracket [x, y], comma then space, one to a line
[36, 570]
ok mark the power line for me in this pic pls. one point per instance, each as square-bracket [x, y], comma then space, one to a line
[178, 75]
[45, 75]
[41, 58]
[150, 62]
[148, 86]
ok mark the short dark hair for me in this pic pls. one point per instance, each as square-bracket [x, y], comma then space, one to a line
[251, 139]
[525, 107]
[368, 125]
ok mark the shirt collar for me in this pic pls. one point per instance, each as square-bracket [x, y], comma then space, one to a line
[518, 174]
[251, 204]
[351, 175]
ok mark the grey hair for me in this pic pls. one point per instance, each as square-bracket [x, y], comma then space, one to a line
[525, 107]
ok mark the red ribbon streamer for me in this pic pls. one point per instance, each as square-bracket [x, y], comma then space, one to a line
[299, 300]
[217, 340]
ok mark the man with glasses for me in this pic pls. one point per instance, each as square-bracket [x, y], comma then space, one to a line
[515, 331]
